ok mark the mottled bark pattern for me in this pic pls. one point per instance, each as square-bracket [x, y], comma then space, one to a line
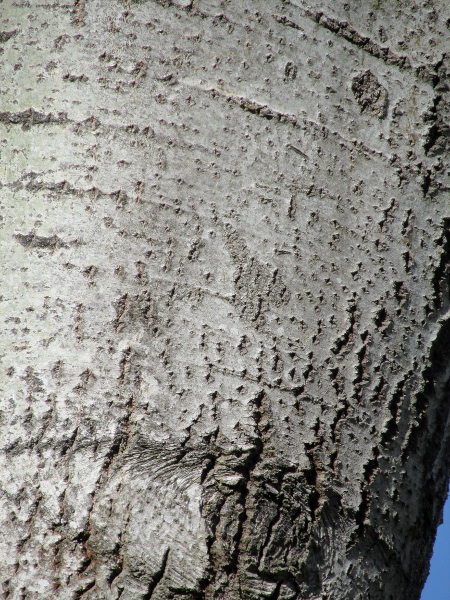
[225, 309]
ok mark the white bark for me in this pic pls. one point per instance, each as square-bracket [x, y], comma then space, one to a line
[225, 244]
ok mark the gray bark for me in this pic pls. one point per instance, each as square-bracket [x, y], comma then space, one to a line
[225, 234]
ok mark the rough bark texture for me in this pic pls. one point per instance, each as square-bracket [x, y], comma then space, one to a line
[225, 298]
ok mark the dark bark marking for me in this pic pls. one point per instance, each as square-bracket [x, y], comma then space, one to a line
[60, 42]
[7, 35]
[124, 364]
[31, 240]
[120, 306]
[407, 258]
[401, 293]
[266, 112]
[30, 117]
[140, 72]
[438, 128]
[382, 320]
[292, 208]
[78, 321]
[84, 589]
[157, 577]
[344, 30]
[72, 78]
[174, 463]
[290, 71]
[79, 12]
[370, 469]
[395, 402]
[359, 378]
[118, 568]
[370, 94]
[69, 442]
[346, 338]
[298, 151]
[441, 275]
[387, 212]
[426, 182]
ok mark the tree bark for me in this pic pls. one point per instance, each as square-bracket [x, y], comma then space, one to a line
[225, 233]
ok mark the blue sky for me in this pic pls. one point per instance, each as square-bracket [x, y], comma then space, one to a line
[437, 586]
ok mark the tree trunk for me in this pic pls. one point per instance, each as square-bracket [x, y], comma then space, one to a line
[225, 298]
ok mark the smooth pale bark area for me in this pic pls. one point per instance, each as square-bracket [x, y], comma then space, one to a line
[225, 326]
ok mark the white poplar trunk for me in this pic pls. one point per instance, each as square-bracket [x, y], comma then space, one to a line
[225, 309]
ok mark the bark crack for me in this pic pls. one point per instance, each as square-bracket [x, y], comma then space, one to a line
[157, 577]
